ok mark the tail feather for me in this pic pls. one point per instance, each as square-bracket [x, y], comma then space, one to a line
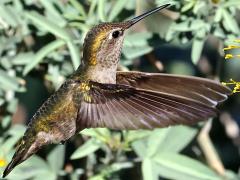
[14, 162]
[24, 151]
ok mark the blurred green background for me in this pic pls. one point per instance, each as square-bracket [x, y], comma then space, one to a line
[41, 45]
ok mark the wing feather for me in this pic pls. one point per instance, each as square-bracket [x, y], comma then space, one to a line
[200, 89]
[118, 106]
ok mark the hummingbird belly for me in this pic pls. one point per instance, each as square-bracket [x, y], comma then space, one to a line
[55, 121]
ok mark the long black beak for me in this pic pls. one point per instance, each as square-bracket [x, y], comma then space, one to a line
[146, 14]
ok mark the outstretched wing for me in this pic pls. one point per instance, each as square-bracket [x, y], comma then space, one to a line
[199, 89]
[119, 106]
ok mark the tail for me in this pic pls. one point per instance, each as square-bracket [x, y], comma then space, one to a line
[24, 150]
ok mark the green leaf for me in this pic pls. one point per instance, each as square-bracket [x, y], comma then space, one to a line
[97, 177]
[50, 175]
[74, 52]
[218, 15]
[156, 141]
[188, 25]
[42, 22]
[231, 3]
[9, 17]
[23, 58]
[134, 52]
[137, 39]
[231, 175]
[87, 148]
[219, 33]
[230, 22]
[140, 148]
[197, 49]
[148, 170]
[198, 44]
[176, 166]
[116, 9]
[12, 105]
[56, 158]
[178, 137]
[188, 6]
[32, 168]
[92, 7]
[2, 101]
[101, 10]
[199, 6]
[5, 121]
[52, 12]
[42, 53]
[102, 134]
[79, 7]
[17, 130]
[117, 166]
[7, 82]
[9, 143]
[134, 135]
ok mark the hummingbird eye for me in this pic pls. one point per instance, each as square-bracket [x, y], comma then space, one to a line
[115, 34]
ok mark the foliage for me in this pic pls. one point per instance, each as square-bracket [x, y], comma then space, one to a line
[43, 40]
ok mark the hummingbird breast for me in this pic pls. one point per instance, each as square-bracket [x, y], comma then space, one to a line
[102, 74]
[55, 120]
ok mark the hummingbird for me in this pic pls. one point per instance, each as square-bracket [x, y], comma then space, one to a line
[97, 95]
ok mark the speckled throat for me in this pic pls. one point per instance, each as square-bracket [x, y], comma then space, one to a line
[101, 53]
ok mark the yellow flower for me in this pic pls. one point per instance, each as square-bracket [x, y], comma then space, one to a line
[236, 84]
[3, 162]
[237, 41]
[228, 56]
[231, 47]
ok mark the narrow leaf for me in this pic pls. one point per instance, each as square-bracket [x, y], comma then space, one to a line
[140, 148]
[230, 22]
[42, 22]
[197, 50]
[87, 148]
[218, 15]
[74, 52]
[134, 52]
[101, 10]
[7, 82]
[117, 8]
[102, 134]
[56, 158]
[43, 53]
[177, 137]
[79, 7]
[148, 170]
[52, 12]
[31, 168]
[156, 141]
[136, 134]
[176, 166]
[23, 58]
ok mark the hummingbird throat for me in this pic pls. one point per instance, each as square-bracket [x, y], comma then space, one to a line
[101, 56]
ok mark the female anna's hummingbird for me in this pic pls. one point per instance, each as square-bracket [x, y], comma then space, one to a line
[96, 95]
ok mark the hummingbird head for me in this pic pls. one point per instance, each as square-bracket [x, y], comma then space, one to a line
[103, 43]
